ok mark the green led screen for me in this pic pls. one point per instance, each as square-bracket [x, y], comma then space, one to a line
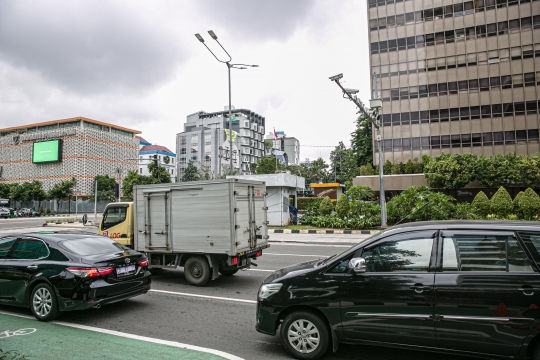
[47, 151]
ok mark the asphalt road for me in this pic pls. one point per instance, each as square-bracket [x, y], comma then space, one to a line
[31, 222]
[223, 324]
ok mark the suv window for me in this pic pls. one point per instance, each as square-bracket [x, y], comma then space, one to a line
[404, 255]
[113, 216]
[483, 253]
[531, 240]
[6, 244]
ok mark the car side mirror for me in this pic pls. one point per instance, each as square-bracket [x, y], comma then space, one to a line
[358, 265]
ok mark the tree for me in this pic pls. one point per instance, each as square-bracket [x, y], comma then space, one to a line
[35, 192]
[387, 168]
[515, 205]
[342, 206]
[450, 172]
[362, 141]
[360, 193]
[191, 173]
[530, 171]
[370, 170]
[16, 193]
[481, 204]
[499, 170]
[501, 203]
[267, 165]
[105, 190]
[529, 204]
[5, 189]
[325, 208]
[159, 174]
[343, 164]
[61, 190]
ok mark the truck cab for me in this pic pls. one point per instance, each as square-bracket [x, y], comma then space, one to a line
[117, 223]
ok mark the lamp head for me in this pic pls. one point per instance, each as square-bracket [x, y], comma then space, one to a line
[212, 34]
[199, 37]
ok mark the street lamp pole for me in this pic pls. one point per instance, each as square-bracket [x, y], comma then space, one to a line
[373, 116]
[229, 67]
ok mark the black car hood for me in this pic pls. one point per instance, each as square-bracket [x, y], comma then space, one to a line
[293, 270]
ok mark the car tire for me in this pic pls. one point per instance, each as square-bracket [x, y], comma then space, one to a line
[294, 335]
[197, 271]
[43, 303]
[228, 272]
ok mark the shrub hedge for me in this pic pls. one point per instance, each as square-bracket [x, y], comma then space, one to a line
[501, 203]
[481, 204]
[529, 204]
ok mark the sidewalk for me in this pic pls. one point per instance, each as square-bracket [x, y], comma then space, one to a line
[58, 340]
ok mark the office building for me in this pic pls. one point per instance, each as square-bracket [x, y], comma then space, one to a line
[59, 150]
[456, 76]
[205, 142]
[287, 144]
[164, 156]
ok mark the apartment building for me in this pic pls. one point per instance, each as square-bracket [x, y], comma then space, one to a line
[456, 76]
[289, 145]
[205, 141]
[149, 152]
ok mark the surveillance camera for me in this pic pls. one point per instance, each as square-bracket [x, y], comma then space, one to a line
[351, 91]
[336, 77]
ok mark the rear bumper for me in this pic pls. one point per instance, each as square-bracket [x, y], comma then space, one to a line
[102, 293]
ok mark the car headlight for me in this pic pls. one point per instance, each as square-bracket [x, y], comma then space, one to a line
[268, 290]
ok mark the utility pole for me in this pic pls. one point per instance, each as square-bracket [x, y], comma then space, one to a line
[374, 117]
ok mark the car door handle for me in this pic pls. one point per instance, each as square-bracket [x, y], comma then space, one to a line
[527, 290]
[32, 267]
[419, 288]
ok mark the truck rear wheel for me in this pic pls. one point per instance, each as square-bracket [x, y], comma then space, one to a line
[197, 271]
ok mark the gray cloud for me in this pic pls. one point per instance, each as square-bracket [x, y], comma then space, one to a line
[88, 47]
[258, 20]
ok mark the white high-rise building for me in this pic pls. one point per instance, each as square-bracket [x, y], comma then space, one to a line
[290, 145]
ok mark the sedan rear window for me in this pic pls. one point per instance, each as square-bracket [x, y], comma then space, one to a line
[92, 246]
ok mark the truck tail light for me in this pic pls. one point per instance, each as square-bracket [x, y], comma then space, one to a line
[234, 260]
[259, 253]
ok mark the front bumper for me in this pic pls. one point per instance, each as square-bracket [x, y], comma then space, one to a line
[267, 318]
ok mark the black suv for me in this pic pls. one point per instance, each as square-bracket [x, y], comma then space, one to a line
[464, 287]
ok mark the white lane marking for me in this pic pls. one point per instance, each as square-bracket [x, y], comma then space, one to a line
[310, 245]
[316, 256]
[204, 296]
[137, 337]
[260, 270]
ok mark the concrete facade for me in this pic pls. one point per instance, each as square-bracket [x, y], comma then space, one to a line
[280, 187]
[456, 77]
[165, 157]
[205, 141]
[89, 148]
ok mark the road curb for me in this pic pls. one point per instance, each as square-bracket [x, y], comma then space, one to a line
[350, 232]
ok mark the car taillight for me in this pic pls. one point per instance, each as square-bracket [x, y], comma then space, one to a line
[234, 260]
[259, 253]
[90, 272]
[143, 262]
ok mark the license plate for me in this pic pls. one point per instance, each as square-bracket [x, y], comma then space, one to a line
[125, 270]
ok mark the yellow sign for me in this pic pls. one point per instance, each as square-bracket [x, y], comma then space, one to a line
[228, 137]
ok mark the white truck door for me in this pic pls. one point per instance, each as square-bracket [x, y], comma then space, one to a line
[156, 229]
[250, 216]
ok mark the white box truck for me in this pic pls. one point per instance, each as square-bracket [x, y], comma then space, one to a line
[208, 227]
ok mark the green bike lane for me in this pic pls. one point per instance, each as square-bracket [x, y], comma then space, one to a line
[60, 340]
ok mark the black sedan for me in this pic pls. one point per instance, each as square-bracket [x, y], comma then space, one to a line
[52, 272]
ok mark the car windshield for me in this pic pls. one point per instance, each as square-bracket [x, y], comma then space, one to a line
[346, 250]
[92, 246]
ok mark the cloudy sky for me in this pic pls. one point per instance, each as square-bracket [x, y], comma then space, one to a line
[138, 64]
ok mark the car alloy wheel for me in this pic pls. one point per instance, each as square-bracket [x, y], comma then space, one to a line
[42, 302]
[303, 336]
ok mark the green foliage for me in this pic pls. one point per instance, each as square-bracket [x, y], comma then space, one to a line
[333, 221]
[61, 190]
[5, 190]
[132, 179]
[409, 167]
[420, 204]
[358, 193]
[530, 171]
[499, 170]
[191, 173]
[343, 164]
[267, 165]
[305, 203]
[501, 203]
[465, 211]
[397, 169]
[354, 211]
[387, 168]
[325, 208]
[342, 206]
[515, 204]
[105, 190]
[370, 170]
[159, 174]
[450, 172]
[481, 204]
[48, 211]
[529, 204]
[362, 170]
[362, 142]
[369, 209]
[268, 143]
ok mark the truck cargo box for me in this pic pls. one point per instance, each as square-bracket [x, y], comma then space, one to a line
[208, 217]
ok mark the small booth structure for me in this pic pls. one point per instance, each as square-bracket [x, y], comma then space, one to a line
[280, 187]
[332, 190]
